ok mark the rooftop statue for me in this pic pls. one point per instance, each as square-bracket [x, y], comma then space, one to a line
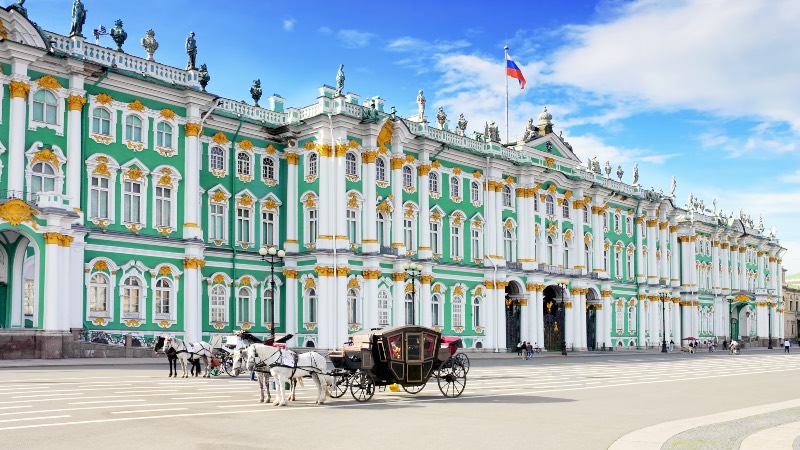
[441, 118]
[150, 44]
[78, 19]
[608, 169]
[370, 115]
[421, 106]
[714, 207]
[203, 77]
[636, 174]
[118, 34]
[531, 132]
[620, 173]
[255, 91]
[462, 124]
[340, 80]
[492, 132]
[672, 188]
[191, 50]
[19, 8]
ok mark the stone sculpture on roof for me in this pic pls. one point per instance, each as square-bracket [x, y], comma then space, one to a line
[19, 8]
[255, 91]
[636, 174]
[492, 132]
[462, 124]
[441, 118]
[78, 19]
[340, 80]
[531, 132]
[421, 106]
[203, 77]
[191, 50]
[150, 44]
[118, 34]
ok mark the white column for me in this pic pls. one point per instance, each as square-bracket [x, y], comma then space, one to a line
[524, 322]
[500, 314]
[425, 251]
[761, 317]
[369, 226]
[559, 244]
[191, 182]
[326, 221]
[340, 205]
[341, 330]
[75, 277]
[715, 284]
[582, 318]
[498, 234]
[491, 225]
[724, 274]
[569, 322]
[760, 270]
[652, 262]
[540, 314]
[52, 282]
[523, 219]
[607, 307]
[290, 301]
[541, 237]
[643, 318]
[664, 269]
[533, 315]
[675, 255]
[675, 317]
[292, 203]
[579, 257]
[16, 135]
[490, 308]
[65, 304]
[735, 268]
[424, 310]
[192, 305]
[641, 275]
[75, 104]
[325, 308]
[399, 294]
[397, 203]
[598, 235]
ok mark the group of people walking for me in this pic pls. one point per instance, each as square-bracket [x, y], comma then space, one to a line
[526, 349]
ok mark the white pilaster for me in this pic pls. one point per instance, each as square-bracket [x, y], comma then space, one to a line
[663, 275]
[290, 300]
[370, 242]
[652, 262]
[16, 135]
[424, 247]
[52, 283]
[191, 185]
[397, 202]
[292, 205]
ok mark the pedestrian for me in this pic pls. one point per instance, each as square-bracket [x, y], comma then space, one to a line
[725, 344]
[691, 347]
[524, 350]
[671, 344]
[786, 345]
[519, 348]
[710, 347]
[529, 348]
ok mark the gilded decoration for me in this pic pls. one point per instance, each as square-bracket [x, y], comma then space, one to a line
[353, 143]
[371, 274]
[167, 113]
[270, 204]
[101, 169]
[134, 173]
[104, 99]
[165, 271]
[292, 159]
[136, 105]
[551, 188]
[75, 102]
[165, 180]
[324, 150]
[426, 279]
[352, 200]
[663, 225]
[220, 138]
[192, 129]
[436, 164]
[309, 145]
[369, 157]
[605, 293]
[270, 149]
[135, 146]
[423, 170]
[397, 163]
[46, 155]
[246, 201]
[19, 89]
[289, 273]
[246, 145]
[99, 321]
[399, 276]
[16, 211]
[385, 135]
[459, 290]
[549, 161]
[100, 266]
[218, 196]
[193, 263]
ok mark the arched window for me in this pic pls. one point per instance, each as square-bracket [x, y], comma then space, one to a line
[408, 233]
[99, 196]
[98, 295]
[565, 209]
[312, 165]
[380, 170]
[606, 258]
[508, 242]
[474, 192]
[617, 224]
[507, 196]
[618, 263]
[132, 201]
[268, 168]
[629, 264]
[131, 296]
[350, 164]
[587, 253]
[408, 177]
[352, 307]
[477, 316]
[409, 309]
[567, 260]
[458, 311]
[549, 207]
[433, 182]
[243, 306]
[217, 158]
[605, 222]
[310, 312]
[383, 229]
[164, 135]
[101, 122]
[631, 319]
[455, 187]
[133, 129]
[628, 225]
[269, 297]
[218, 306]
[436, 310]
[383, 308]
[45, 107]
[243, 164]
[550, 251]
[43, 178]
[163, 306]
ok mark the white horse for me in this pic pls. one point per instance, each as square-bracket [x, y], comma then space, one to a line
[239, 356]
[288, 366]
[187, 352]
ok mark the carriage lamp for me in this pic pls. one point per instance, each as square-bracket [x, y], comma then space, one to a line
[272, 256]
[663, 295]
[415, 270]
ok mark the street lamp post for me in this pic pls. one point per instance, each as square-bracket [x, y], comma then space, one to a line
[562, 284]
[663, 295]
[272, 256]
[730, 317]
[769, 327]
[415, 270]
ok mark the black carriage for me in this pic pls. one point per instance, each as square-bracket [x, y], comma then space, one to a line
[407, 356]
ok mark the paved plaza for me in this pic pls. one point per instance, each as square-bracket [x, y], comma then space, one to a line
[645, 400]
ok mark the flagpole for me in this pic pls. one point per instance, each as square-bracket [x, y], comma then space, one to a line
[505, 75]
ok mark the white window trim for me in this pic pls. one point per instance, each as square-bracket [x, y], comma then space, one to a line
[61, 95]
[250, 166]
[225, 149]
[143, 294]
[440, 316]
[159, 179]
[266, 286]
[438, 192]
[456, 252]
[477, 301]
[306, 302]
[276, 225]
[58, 169]
[307, 217]
[436, 238]
[112, 130]
[413, 187]
[459, 189]
[457, 299]
[251, 226]
[388, 308]
[357, 175]
[479, 239]
[226, 297]
[386, 171]
[359, 305]
[173, 300]
[133, 145]
[225, 211]
[112, 167]
[309, 177]
[251, 306]
[276, 170]
[110, 312]
[163, 150]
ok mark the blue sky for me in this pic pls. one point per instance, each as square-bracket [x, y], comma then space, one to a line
[706, 90]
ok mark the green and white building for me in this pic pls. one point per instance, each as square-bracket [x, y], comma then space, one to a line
[135, 202]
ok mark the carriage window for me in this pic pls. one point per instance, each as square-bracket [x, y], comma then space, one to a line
[414, 347]
[430, 346]
[396, 347]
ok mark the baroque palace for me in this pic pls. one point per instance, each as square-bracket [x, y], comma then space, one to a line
[134, 202]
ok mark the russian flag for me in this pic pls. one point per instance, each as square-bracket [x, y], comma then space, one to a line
[513, 71]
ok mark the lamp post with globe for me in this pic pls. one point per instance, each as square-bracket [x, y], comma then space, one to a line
[272, 256]
[415, 270]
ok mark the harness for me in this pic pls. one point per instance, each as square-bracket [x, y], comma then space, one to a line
[261, 365]
[186, 350]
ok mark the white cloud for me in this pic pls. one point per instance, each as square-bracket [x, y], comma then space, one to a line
[411, 44]
[793, 177]
[288, 23]
[736, 58]
[760, 141]
[354, 38]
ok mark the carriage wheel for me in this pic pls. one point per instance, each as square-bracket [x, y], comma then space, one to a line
[227, 364]
[452, 379]
[362, 387]
[413, 390]
[340, 384]
[464, 360]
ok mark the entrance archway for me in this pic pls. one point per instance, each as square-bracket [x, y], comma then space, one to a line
[20, 296]
[553, 313]
[514, 293]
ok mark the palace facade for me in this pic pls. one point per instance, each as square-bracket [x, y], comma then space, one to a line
[134, 202]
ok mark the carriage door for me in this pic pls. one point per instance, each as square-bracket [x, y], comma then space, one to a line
[591, 327]
[414, 357]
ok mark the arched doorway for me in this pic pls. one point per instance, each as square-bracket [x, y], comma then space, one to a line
[591, 321]
[20, 296]
[514, 294]
[553, 314]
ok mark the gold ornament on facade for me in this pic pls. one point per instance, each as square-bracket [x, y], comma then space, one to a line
[673, 228]
[167, 113]
[165, 271]
[136, 105]
[269, 204]
[246, 201]
[550, 162]
[436, 164]
[385, 135]
[218, 196]
[290, 274]
[165, 180]
[75, 102]
[220, 138]
[100, 266]
[423, 170]
[16, 211]
[101, 169]
[192, 129]
[397, 163]
[309, 145]
[19, 89]
[193, 263]
[292, 159]
[134, 173]
[104, 99]
[46, 155]
[399, 276]
[352, 200]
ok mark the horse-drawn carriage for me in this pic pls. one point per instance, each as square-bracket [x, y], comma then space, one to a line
[224, 346]
[407, 356]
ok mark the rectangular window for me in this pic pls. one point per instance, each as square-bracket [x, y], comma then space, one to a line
[163, 207]
[216, 223]
[352, 230]
[312, 226]
[132, 202]
[408, 233]
[565, 210]
[435, 248]
[435, 314]
[268, 228]
[455, 242]
[243, 310]
[243, 224]
[458, 314]
[475, 246]
[312, 309]
[98, 202]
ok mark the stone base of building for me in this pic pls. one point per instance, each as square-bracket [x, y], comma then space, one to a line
[37, 344]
